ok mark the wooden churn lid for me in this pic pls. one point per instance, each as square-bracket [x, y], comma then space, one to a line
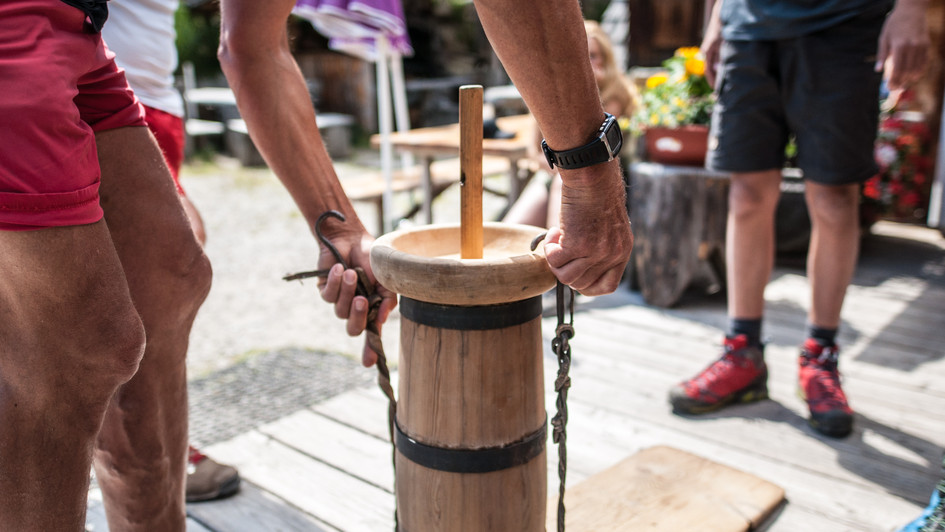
[424, 263]
[470, 263]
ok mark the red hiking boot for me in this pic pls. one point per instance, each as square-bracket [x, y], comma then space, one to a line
[739, 376]
[819, 385]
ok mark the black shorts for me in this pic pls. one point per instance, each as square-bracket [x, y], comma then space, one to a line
[821, 87]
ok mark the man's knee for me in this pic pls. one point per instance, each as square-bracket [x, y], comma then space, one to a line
[173, 284]
[193, 275]
[77, 371]
[754, 194]
[123, 341]
[832, 204]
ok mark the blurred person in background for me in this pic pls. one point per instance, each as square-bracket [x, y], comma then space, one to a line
[812, 70]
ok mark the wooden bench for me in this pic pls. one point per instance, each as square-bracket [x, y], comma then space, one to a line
[335, 129]
[198, 130]
[369, 187]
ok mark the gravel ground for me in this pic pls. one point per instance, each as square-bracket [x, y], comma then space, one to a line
[255, 235]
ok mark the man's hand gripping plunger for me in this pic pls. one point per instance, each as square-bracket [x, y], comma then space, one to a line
[590, 249]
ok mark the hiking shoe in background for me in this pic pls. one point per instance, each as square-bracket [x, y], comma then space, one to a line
[819, 385]
[208, 480]
[932, 518]
[936, 521]
[739, 376]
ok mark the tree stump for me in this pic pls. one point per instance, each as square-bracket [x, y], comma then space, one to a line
[678, 215]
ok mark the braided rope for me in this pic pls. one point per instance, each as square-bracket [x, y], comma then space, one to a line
[562, 350]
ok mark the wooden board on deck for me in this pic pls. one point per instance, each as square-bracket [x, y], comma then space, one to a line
[662, 488]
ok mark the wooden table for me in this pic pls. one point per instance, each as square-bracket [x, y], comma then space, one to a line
[430, 143]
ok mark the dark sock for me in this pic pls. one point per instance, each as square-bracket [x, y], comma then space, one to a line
[824, 336]
[750, 328]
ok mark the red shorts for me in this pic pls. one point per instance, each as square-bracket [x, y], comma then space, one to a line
[59, 85]
[168, 129]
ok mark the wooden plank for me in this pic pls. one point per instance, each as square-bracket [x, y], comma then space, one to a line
[777, 429]
[820, 497]
[250, 510]
[96, 521]
[608, 339]
[363, 409]
[863, 382]
[361, 455]
[692, 343]
[662, 488]
[633, 387]
[635, 380]
[334, 497]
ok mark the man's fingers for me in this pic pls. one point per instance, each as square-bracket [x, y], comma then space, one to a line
[368, 356]
[357, 317]
[349, 286]
[581, 275]
[332, 284]
[605, 284]
[388, 303]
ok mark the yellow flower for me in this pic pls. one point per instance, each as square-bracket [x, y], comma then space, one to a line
[664, 109]
[655, 81]
[678, 102]
[654, 119]
[688, 52]
[695, 66]
[680, 117]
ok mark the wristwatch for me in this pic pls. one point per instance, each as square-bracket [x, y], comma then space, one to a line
[605, 146]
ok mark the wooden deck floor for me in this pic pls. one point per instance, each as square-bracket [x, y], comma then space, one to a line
[327, 466]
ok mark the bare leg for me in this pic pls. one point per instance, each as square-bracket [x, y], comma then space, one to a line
[834, 247]
[140, 458]
[531, 208]
[196, 221]
[69, 336]
[753, 198]
[554, 202]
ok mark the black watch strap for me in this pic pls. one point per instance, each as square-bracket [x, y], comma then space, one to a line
[604, 147]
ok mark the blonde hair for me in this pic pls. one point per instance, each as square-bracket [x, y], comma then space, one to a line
[615, 87]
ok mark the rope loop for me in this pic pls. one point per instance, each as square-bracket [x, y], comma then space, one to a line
[561, 347]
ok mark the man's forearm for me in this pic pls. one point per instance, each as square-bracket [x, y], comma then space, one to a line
[543, 47]
[274, 100]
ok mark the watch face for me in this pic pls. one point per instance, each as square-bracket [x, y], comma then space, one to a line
[613, 136]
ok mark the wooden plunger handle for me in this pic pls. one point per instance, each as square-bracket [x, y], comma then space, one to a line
[470, 165]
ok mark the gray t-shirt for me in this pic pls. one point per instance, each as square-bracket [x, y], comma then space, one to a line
[763, 20]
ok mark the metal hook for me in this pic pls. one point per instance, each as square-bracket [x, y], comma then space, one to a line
[362, 279]
[324, 240]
